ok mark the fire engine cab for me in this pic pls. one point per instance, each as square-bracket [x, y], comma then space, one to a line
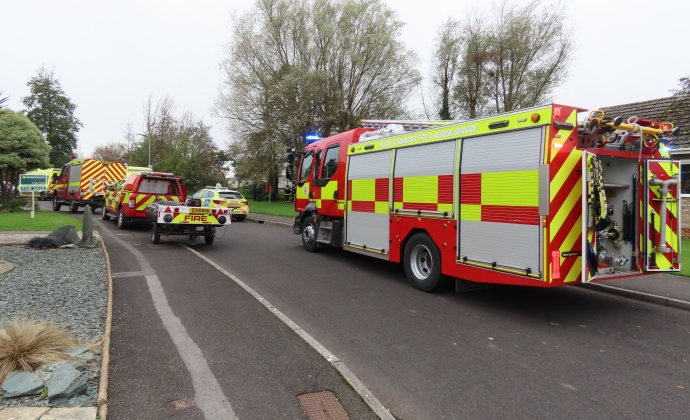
[535, 197]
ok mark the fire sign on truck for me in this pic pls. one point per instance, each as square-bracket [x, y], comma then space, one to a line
[547, 196]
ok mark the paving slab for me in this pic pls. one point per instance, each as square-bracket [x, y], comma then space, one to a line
[73, 413]
[33, 413]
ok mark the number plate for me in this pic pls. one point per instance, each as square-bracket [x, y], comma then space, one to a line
[197, 211]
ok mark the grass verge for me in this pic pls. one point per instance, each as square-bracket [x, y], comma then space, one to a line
[25, 345]
[684, 258]
[43, 220]
[279, 208]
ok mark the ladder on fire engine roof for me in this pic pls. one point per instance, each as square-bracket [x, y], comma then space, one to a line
[407, 125]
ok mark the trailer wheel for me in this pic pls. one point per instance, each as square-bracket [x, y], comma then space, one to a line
[104, 213]
[73, 206]
[209, 239]
[122, 221]
[423, 263]
[56, 204]
[309, 229]
[155, 236]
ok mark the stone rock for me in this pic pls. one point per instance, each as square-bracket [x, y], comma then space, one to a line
[46, 371]
[79, 353]
[64, 383]
[87, 238]
[68, 234]
[20, 383]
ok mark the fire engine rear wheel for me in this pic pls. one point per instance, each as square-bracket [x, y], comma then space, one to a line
[423, 263]
[309, 229]
[56, 204]
[122, 221]
[73, 206]
[155, 236]
[104, 213]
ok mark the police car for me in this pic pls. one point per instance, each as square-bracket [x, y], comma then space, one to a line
[213, 196]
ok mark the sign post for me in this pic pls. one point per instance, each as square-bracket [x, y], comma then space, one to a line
[33, 183]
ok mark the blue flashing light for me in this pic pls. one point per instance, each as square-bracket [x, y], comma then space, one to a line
[311, 138]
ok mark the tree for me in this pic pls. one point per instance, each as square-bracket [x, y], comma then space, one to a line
[113, 152]
[510, 60]
[52, 111]
[320, 66]
[22, 148]
[684, 89]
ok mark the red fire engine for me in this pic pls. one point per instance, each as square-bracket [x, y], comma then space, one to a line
[533, 197]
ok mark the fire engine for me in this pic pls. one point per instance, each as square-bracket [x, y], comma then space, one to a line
[82, 182]
[534, 197]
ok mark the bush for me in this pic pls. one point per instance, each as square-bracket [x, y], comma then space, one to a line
[26, 345]
[16, 205]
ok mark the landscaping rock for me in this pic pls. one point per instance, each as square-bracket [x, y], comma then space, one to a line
[46, 371]
[87, 238]
[64, 383]
[67, 233]
[79, 353]
[20, 383]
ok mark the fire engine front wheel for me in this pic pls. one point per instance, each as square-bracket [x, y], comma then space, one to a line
[73, 206]
[309, 229]
[56, 204]
[423, 263]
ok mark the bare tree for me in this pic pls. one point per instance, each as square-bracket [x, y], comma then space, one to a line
[113, 152]
[510, 60]
[445, 63]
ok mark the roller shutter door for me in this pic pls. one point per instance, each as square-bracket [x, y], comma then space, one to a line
[499, 200]
[367, 217]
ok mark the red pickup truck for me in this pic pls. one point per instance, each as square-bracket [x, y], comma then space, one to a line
[129, 198]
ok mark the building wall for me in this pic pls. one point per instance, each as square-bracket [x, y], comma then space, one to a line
[685, 217]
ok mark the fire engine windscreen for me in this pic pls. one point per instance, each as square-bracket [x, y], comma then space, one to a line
[157, 186]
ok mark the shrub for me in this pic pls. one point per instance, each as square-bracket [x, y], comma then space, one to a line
[25, 345]
[16, 205]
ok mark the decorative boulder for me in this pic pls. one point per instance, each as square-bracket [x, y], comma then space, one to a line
[68, 234]
[20, 383]
[87, 238]
[64, 383]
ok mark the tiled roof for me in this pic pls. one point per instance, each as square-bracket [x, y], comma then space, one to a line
[675, 109]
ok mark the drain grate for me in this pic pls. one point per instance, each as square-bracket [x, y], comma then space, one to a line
[184, 404]
[322, 406]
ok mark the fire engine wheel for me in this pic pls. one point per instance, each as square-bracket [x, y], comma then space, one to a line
[56, 204]
[309, 229]
[155, 236]
[122, 221]
[73, 206]
[423, 263]
[209, 239]
[42, 197]
[104, 213]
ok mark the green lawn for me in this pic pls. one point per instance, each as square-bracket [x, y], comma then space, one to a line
[279, 208]
[43, 220]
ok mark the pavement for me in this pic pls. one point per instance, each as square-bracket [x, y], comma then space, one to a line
[661, 289]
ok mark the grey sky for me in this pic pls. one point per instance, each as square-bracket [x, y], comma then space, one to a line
[110, 56]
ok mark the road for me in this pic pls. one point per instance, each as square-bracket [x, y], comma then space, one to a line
[493, 353]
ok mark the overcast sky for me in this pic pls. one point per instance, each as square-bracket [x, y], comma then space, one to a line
[110, 56]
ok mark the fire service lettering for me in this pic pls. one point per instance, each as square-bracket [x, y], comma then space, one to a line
[195, 218]
[426, 137]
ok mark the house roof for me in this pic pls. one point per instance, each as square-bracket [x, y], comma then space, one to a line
[675, 109]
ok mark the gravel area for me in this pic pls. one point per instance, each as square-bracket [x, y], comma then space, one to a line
[67, 288]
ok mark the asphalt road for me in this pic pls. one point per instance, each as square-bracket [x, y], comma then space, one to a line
[504, 352]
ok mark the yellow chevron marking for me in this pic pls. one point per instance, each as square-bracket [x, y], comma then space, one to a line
[575, 271]
[565, 134]
[570, 240]
[569, 165]
[568, 206]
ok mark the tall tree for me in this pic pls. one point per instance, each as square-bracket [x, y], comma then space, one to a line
[445, 62]
[311, 65]
[52, 111]
[512, 59]
[22, 148]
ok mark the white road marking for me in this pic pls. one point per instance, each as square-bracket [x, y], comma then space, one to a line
[208, 393]
[353, 380]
